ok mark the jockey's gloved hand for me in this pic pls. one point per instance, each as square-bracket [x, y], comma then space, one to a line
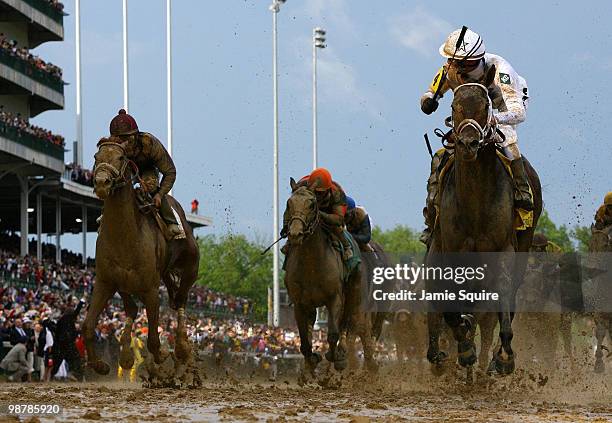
[284, 232]
[429, 106]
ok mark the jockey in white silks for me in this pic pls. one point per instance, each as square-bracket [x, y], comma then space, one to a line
[509, 96]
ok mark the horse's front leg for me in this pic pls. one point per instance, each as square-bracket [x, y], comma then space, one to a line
[151, 301]
[504, 358]
[305, 318]
[335, 353]
[434, 328]
[101, 294]
[126, 356]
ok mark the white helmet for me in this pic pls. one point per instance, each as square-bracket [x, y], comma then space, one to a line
[472, 47]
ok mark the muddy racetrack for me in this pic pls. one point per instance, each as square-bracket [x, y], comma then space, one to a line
[397, 393]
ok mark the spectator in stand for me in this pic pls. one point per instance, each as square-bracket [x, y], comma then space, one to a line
[194, 206]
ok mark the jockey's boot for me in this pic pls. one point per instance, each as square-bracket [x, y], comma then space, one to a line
[522, 194]
[346, 244]
[429, 212]
[430, 220]
[167, 214]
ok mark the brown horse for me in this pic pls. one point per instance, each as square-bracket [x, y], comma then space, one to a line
[132, 257]
[477, 215]
[314, 278]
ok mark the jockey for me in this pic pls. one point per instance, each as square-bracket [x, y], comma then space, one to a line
[152, 158]
[603, 217]
[509, 96]
[358, 224]
[331, 201]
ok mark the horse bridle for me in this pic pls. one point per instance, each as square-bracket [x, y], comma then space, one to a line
[309, 228]
[489, 131]
[118, 178]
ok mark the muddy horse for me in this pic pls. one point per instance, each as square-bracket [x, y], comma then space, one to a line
[133, 257]
[477, 215]
[314, 277]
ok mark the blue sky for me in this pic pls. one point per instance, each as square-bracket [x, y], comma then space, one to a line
[381, 57]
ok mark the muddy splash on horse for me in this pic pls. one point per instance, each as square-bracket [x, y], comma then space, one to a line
[133, 257]
[477, 215]
[316, 277]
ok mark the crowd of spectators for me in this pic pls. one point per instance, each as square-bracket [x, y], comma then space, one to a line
[41, 308]
[80, 175]
[71, 274]
[16, 122]
[201, 296]
[12, 49]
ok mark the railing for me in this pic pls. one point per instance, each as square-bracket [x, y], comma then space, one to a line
[28, 140]
[30, 283]
[31, 71]
[44, 7]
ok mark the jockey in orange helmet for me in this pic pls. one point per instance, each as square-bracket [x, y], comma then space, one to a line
[331, 201]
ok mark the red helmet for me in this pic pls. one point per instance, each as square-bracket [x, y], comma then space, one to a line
[320, 179]
[123, 124]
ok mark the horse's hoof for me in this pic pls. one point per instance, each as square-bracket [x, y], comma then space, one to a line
[340, 365]
[466, 353]
[126, 359]
[504, 366]
[100, 367]
[436, 357]
[329, 356]
[312, 361]
[600, 367]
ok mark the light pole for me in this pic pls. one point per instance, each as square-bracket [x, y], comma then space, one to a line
[125, 57]
[275, 8]
[318, 41]
[79, 115]
[169, 74]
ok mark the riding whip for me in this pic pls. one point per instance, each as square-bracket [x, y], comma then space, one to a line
[428, 145]
[443, 77]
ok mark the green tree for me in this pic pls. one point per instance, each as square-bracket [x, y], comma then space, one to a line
[399, 240]
[234, 265]
[582, 235]
[557, 234]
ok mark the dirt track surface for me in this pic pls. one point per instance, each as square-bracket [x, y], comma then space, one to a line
[522, 397]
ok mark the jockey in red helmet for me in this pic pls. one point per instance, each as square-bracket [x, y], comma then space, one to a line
[331, 201]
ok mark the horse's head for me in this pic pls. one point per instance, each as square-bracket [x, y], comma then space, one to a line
[303, 213]
[471, 116]
[109, 167]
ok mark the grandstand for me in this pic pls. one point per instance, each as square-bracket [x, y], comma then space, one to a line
[37, 193]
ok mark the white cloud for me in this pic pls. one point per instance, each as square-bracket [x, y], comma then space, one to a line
[338, 81]
[333, 12]
[420, 31]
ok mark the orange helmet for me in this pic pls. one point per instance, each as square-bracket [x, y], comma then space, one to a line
[320, 179]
